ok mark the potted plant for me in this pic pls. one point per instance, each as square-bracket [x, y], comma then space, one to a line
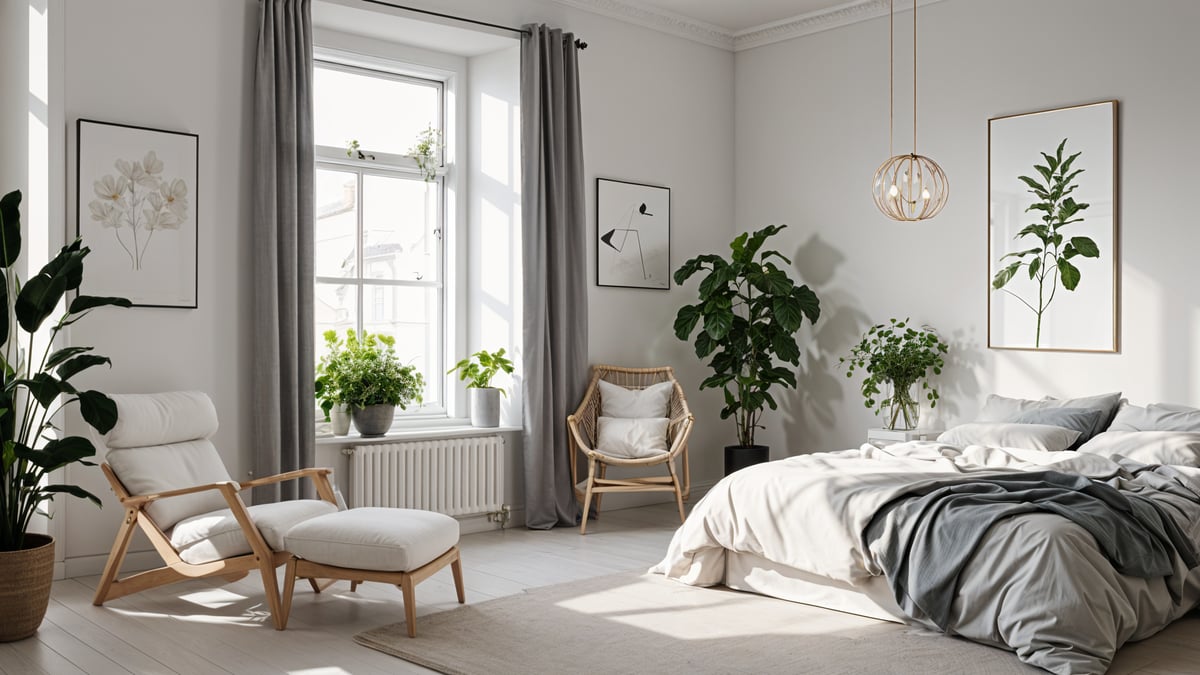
[898, 356]
[329, 397]
[427, 151]
[748, 314]
[29, 399]
[478, 371]
[364, 375]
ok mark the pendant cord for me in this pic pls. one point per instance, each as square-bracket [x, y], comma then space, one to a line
[915, 2]
[891, 75]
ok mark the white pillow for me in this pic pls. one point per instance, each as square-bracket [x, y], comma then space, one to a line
[617, 401]
[1155, 417]
[1148, 447]
[1043, 437]
[630, 438]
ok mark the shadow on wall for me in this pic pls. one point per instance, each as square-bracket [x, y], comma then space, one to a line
[810, 407]
[959, 380]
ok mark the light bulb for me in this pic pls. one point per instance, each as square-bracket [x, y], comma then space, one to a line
[925, 195]
[893, 191]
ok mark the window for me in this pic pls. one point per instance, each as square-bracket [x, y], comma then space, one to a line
[378, 237]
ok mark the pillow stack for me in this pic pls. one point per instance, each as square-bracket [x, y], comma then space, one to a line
[1047, 424]
[1160, 433]
[633, 422]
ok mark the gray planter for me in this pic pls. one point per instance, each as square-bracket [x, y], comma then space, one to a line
[374, 420]
[485, 406]
[339, 419]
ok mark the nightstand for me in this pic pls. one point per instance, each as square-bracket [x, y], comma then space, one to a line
[884, 437]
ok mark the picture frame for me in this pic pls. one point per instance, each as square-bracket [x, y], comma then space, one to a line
[136, 204]
[633, 235]
[1053, 245]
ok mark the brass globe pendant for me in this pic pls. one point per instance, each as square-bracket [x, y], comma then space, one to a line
[907, 187]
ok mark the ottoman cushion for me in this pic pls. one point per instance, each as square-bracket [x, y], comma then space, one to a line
[378, 539]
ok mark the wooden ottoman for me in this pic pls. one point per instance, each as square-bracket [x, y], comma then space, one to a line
[402, 547]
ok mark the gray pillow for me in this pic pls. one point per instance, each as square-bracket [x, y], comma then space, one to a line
[1155, 417]
[1082, 420]
[1001, 409]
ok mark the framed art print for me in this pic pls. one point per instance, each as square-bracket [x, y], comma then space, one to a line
[633, 235]
[136, 206]
[1052, 229]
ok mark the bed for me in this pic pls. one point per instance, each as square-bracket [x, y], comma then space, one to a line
[1036, 583]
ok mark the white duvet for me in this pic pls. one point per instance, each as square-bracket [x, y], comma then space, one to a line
[1038, 584]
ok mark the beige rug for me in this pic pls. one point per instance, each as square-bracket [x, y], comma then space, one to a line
[633, 623]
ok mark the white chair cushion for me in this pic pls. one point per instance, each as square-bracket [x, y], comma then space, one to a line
[161, 419]
[632, 438]
[617, 401]
[378, 539]
[158, 468]
[217, 535]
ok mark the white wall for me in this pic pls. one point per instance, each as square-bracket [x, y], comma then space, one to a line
[811, 121]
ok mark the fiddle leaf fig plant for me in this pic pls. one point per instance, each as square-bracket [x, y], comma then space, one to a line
[478, 370]
[36, 388]
[1048, 260]
[748, 315]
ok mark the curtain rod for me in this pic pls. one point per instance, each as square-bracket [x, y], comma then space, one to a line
[578, 43]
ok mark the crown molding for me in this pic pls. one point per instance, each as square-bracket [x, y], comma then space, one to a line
[632, 11]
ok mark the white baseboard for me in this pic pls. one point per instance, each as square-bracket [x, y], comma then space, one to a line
[88, 565]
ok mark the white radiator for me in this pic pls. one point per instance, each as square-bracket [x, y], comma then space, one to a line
[454, 476]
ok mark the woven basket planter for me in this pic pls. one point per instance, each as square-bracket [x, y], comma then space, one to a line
[25, 578]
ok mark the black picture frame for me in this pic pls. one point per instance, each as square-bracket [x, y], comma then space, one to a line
[145, 180]
[633, 218]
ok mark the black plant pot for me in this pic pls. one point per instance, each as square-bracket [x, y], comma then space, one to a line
[741, 456]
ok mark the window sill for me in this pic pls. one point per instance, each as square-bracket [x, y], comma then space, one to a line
[414, 433]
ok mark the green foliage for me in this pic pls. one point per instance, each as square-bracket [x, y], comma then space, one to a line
[353, 151]
[901, 355]
[364, 371]
[1049, 262]
[748, 315]
[30, 396]
[427, 151]
[478, 370]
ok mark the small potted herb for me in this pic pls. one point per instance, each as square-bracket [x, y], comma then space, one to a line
[898, 356]
[364, 374]
[478, 371]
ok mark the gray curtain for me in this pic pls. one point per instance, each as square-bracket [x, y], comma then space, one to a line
[555, 262]
[283, 246]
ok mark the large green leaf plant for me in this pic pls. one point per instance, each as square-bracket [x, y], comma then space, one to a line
[1049, 261]
[748, 314]
[34, 391]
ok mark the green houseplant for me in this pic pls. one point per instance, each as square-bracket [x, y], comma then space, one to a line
[897, 356]
[364, 374]
[477, 371]
[34, 390]
[427, 151]
[748, 315]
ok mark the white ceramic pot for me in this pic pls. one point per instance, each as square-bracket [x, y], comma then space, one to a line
[485, 406]
[339, 419]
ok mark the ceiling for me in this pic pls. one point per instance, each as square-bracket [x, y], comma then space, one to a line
[739, 15]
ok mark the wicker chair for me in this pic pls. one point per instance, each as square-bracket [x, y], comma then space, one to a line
[583, 429]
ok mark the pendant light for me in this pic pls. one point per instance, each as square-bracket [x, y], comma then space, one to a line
[907, 187]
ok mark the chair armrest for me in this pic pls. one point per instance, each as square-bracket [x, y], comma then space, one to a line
[319, 475]
[138, 500]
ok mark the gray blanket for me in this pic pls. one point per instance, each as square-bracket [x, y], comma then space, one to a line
[931, 531]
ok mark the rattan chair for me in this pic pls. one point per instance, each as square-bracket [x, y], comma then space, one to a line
[582, 426]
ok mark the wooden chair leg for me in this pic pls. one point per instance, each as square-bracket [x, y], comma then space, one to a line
[456, 569]
[678, 491]
[354, 585]
[271, 588]
[115, 557]
[289, 587]
[410, 604]
[587, 496]
[319, 585]
[601, 472]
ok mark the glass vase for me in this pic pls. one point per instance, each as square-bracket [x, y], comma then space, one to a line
[904, 410]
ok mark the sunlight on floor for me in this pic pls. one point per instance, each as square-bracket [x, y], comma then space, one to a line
[330, 670]
[214, 598]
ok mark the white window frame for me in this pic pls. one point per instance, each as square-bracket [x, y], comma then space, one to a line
[409, 64]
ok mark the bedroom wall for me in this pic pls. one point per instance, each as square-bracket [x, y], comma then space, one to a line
[811, 120]
[640, 123]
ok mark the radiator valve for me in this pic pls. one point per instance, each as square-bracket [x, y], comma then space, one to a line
[502, 516]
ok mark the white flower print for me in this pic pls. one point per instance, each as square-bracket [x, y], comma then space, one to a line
[138, 197]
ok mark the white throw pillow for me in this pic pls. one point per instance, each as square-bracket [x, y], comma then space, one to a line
[1155, 417]
[1043, 437]
[1148, 447]
[631, 438]
[617, 401]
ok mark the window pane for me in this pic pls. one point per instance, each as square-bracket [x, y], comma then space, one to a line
[336, 231]
[336, 309]
[411, 315]
[382, 114]
[400, 238]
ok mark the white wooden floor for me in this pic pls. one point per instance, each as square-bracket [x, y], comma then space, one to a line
[204, 627]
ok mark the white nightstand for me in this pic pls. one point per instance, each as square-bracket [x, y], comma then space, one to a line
[884, 437]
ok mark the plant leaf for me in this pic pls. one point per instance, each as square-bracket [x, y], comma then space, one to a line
[1086, 247]
[1003, 276]
[85, 302]
[98, 410]
[80, 364]
[686, 320]
[74, 491]
[10, 228]
[1069, 274]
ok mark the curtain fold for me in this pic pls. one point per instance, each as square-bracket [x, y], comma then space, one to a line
[554, 246]
[283, 407]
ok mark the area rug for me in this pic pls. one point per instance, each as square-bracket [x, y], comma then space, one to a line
[636, 623]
